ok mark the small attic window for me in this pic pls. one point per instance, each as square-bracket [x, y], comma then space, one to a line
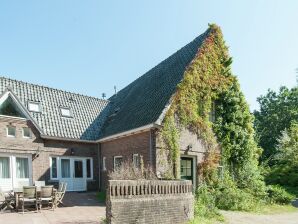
[34, 106]
[65, 112]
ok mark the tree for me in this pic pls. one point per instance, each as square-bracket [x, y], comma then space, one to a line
[277, 111]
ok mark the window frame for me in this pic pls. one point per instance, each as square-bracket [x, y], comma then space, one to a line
[104, 168]
[91, 168]
[9, 166]
[65, 108]
[15, 131]
[57, 167]
[115, 158]
[30, 133]
[36, 103]
[133, 160]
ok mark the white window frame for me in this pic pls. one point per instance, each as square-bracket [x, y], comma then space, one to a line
[30, 133]
[104, 168]
[35, 103]
[91, 166]
[133, 159]
[66, 108]
[15, 133]
[117, 157]
[57, 167]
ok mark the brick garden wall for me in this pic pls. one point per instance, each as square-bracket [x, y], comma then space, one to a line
[148, 202]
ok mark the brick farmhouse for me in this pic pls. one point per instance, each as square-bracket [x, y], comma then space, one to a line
[54, 135]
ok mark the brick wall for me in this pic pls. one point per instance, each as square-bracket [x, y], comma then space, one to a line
[47, 148]
[149, 202]
[125, 147]
[191, 145]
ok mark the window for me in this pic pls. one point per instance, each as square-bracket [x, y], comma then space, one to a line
[212, 113]
[26, 132]
[65, 112]
[34, 106]
[89, 168]
[65, 168]
[118, 160]
[78, 168]
[136, 160]
[104, 163]
[22, 167]
[11, 131]
[54, 167]
[4, 167]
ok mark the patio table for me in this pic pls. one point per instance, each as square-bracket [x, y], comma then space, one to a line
[19, 191]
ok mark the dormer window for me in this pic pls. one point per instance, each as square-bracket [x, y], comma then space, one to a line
[34, 106]
[65, 112]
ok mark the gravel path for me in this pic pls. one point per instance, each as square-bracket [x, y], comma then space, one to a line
[250, 218]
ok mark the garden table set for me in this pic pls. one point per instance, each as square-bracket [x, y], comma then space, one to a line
[29, 196]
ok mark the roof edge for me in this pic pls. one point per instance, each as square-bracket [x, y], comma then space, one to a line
[129, 132]
[67, 139]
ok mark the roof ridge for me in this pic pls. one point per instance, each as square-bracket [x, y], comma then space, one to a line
[47, 87]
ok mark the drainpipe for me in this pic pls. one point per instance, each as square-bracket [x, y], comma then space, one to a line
[99, 168]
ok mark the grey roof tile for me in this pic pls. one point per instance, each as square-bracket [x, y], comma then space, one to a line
[142, 102]
[88, 112]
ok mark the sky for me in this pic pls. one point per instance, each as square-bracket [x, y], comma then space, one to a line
[90, 46]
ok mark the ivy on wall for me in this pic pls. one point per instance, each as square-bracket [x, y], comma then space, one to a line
[209, 79]
[207, 76]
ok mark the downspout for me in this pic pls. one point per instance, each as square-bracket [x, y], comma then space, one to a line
[99, 166]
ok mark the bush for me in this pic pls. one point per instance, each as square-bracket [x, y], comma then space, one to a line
[205, 203]
[128, 171]
[230, 197]
[278, 195]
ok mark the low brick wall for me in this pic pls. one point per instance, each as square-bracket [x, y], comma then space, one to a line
[148, 201]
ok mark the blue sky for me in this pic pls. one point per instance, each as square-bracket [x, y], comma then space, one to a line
[89, 46]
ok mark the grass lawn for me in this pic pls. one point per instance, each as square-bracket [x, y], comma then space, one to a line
[101, 196]
[264, 210]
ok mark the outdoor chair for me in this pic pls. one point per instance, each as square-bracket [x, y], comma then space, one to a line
[7, 201]
[29, 197]
[46, 196]
[59, 195]
[39, 183]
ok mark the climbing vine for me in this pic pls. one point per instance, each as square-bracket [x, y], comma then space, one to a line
[230, 138]
[207, 76]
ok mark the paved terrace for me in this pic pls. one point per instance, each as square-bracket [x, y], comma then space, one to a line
[79, 208]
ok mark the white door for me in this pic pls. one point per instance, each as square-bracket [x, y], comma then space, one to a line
[5, 173]
[73, 172]
[15, 171]
[79, 174]
[66, 173]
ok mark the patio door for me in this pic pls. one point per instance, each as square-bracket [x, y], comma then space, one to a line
[73, 173]
[79, 180]
[15, 171]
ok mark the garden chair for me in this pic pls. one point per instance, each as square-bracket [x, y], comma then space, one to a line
[39, 184]
[29, 197]
[46, 196]
[7, 201]
[59, 195]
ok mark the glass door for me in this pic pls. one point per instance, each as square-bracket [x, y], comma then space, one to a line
[66, 175]
[186, 171]
[79, 181]
[5, 173]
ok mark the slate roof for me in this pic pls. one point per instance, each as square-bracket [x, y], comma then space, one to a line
[143, 101]
[88, 112]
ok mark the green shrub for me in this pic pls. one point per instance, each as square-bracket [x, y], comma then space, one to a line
[279, 195]
[101, 196]
[231, 197]
[205, 203]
